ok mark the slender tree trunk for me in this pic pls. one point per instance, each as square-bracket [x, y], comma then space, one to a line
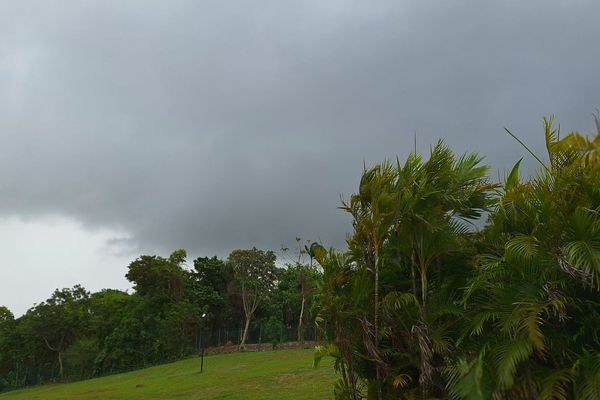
[423, 267]
[300, 335]
[248, 311]
[376, 323]
[245, 334]
[413, 264]
[352, 377]
[60, 366]
[424, 285]
[346, 365]
[58, 350]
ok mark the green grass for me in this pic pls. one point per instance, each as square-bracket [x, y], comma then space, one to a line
[283, 374]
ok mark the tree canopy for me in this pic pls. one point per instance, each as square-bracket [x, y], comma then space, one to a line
[254, 272]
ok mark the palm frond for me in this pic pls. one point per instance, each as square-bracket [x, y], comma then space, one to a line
[508, 357]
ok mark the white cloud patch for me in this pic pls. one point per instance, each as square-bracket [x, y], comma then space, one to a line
[42, 254]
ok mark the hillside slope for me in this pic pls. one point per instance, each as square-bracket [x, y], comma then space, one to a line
[284, 374]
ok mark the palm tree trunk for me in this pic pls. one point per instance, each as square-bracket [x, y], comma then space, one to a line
[423, 269]
[376, 323]
[413, 264]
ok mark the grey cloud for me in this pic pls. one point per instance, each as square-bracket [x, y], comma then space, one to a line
[216, 125]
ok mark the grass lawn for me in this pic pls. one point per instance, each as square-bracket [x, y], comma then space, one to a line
[283, 374]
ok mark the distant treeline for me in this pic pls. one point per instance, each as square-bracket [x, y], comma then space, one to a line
[174, 310]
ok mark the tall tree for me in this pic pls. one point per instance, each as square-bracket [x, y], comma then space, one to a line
[297, 287]
[158, 276]
[7, 327]
[298, 283]
[208, 290]
[372, 212]
[408, 225]
[58, 321]
[254, 271]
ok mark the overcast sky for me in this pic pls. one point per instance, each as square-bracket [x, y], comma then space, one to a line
[131, 127]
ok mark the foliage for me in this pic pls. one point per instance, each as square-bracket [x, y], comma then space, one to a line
[254, 271]
[77, 335]
[534, 304]
[209, 286]
[297, 288]
[158, 276]
[424, 306]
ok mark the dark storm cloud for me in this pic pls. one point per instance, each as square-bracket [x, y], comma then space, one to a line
[219, 124]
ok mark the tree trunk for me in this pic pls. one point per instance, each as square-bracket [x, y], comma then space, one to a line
[352, 377]
[245, 334]
[60, 366]
[300, 335]
[58, 350]
[413, 264]
[376, 324]
[424, 285]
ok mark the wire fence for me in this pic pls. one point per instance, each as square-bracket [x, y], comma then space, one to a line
[257, 334]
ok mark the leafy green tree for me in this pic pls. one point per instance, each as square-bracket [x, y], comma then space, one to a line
[297, 286]
[6, 315]
[255, 272]
[81, 355]
[158, 276]
[57, 322]
[163, 322]
[7, 346]
[108, 308]
[209, 285]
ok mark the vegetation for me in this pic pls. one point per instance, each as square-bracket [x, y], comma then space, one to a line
[76, 334]
[254, 271]
[283, 374]
[424, 305]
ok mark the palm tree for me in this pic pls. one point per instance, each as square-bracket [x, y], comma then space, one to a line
[534, 301]
[410, 212]
[425, 306]
[338, 314]
[372, 220]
